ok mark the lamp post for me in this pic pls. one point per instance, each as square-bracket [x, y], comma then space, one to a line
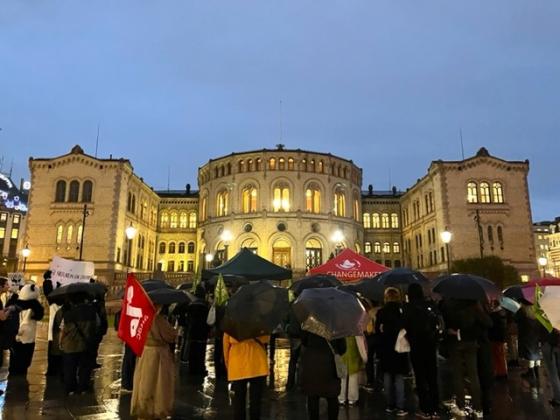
[226, 237]
[446, 238]
[25, 253]
[209, 258]
[338, 239]
[543, 261]
[85, 214]
[130, 233]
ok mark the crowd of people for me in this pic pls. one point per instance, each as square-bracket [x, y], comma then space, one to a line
[463, 344]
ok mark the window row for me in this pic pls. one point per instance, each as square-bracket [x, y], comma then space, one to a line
[381, 221]
[384, 248]
[178, 266]
[142, 209]
[69, 234]
[72, 193]
[171, 248]
[481, 193]
[14, 233]
[175, 220]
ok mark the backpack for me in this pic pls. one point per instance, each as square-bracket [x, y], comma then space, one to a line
[436, 324]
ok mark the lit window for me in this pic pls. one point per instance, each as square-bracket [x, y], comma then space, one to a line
[222, 203]
[79, 234]
[394, 220]
[259, 164]
[59, 233]
[164, 220]
[367, 247]
[74, 191]
[367, 221]
[15, 233]
[250, 165]
[190, 248]
[192, 220]
[69, 232]
[16, 219]
[203, 208]
[281, 198]
[313, 199]
[484, 192]
[375, 221]
[472, 193]
[377, 247]
[181, 247]
[281, 164]
[3, 217]
[339, 203]
[272, 164]
[303, 165]
[385, 221]
[171, 247]
[60, 194]
[386, 248]
[290, 164]
[396, 248]
[173, 223]
[249, 199]
[356, 209]
[183, 220]
[312, 165]
[241, 166]
[2, 232]
[497, 193]
[321, 167]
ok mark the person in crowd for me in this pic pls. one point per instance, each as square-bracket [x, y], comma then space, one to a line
[512, 338]
[54, 356]
[370, 337]
[498, 337]
[77, 336]
[247, 365]
[196, 332]
[484, 362]
[128, 362]
[464, 320]
[528, 329]
[24, 345]
[550, 343]
[423, 324]
[103, 326]
[390, 320]
[294, 334]
[354, 361]
[153, 392]
[5, 339]
[318, 375]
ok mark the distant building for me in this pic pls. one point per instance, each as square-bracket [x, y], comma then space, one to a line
[547, 244]
[294, 207]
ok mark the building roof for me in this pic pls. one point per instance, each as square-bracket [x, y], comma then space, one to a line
[77, 150]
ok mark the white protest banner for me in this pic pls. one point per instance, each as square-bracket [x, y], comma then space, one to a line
[69, 271]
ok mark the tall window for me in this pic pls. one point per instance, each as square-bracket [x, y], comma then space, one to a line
[367, 248]
[222, 203]
[339, 203]
[367, 221]
[312, 165]
[281, 197]
[171, 266]
[490, 235]
[356, 208]
[74, 191]
[192, 220]
[190, 248]
[162, 247]
[249, 199]
[172, 247]
[87, 191]
[484, 192]
[174, 220]
[203, 208]
[290, 164]
[60, 194]
[241, 166]
[385, 220]
[79, 234]
[386, 248]
[321, 167]
[282, 164]
[183, 220]
[394, 220]
[181, 247]
[396, 248]
[164, 220]
[377, 247]
[59, 233]
[313, 199]
[259, 164]
[497, 193]
[272, 164]
[69, 232]
[472, 192]
[500, 236]
[250, 165]
[375, 221]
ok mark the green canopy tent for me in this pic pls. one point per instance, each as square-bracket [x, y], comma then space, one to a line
[251, 266]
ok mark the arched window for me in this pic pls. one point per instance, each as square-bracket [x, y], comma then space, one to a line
[396, 248]
[282, 164]
[345, 172]
[497, 193]
[313, 253]
[171, 247]
[60, 194]
[162, 247]
[367, 221]
[484, 192]
[133, 204]
[74, 191]
[190, 248]
[386, 248]
[59, 234]
[375, 221]
[356, 208]
[228, 168]
[385, 221]
[377, 247]
[183, 220]
[79, 234]
[222, 203]
[222, 170]
[164, 220]
[367, 247]
[290, 164]
[181, 247]
[250, 244]
[259, 164]
[87, 191]
[339, 203]
[303, 165]
[174, 219]
[203, 208]
[272, 164]
[501, 236]
[249, 199]
[312, 165]
[394, 220]
[69, 231]
[321, 167]
[192, 220]
[250, 165]
[313, 199]
[241, 166]
[281, 197]
[472, 192]
[490, 235]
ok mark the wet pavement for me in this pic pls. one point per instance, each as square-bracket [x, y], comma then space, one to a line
[37, 396]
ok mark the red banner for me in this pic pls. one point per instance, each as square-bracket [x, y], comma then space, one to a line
[137, 314]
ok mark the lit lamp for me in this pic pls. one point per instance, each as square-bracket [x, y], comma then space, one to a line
[209, 258]
[338, 238]
[130, 233]
[446, 238]
[25, 253]
[226, 237]
[543, 261]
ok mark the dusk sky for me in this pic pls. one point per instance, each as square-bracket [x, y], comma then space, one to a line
[388, 84]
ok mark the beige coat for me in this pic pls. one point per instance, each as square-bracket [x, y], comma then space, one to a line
[153, 393]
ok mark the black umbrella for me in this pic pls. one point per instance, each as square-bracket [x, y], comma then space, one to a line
[314, 282]
[164, 296]
[369, 288]
[92, 290]
[466, 287]
[330, 313]
[401, 277]
[149, 285]
[256, 309]
[514, 292]
[231, 280]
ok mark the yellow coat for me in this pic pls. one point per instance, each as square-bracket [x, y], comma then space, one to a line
[245, 359]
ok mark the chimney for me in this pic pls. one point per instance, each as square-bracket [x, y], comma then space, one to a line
[188, 188]
[370, 189]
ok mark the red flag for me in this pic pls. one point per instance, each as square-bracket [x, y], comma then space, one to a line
[137, 314]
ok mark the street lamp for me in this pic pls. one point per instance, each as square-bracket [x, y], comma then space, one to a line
[446, 238]
[209, 258]
[543, 261]
[338, 238]
[25, 253]
[130, 233]
[226, 236]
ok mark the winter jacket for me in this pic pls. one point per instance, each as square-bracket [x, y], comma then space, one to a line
[79, 329]
[245, 359]
[390, 320]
